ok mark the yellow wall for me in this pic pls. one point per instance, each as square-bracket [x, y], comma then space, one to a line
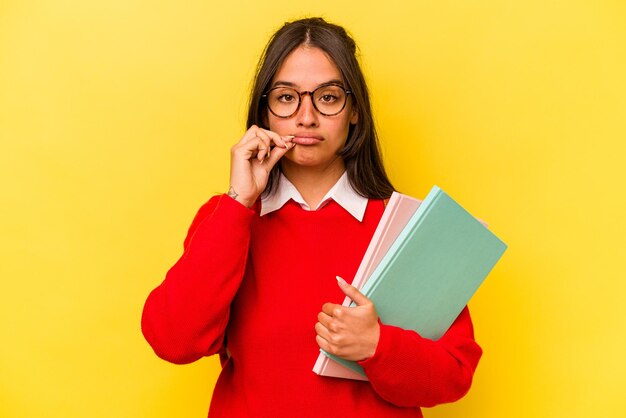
[116, 118]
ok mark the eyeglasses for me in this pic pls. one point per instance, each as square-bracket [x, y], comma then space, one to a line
[327, 99]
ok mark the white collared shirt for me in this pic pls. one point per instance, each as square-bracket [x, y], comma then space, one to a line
[342, 193]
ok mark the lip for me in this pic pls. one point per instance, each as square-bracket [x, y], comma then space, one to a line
[304, 138]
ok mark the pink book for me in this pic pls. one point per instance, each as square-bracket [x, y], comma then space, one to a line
[399, 210]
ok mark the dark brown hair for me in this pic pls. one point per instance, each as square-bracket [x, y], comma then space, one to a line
[361, 153]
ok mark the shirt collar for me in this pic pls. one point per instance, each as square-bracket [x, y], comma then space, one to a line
[342, 193]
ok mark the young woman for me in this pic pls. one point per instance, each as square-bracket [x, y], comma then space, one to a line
[256, 282]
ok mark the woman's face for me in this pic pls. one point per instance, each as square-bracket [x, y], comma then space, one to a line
[318, 138]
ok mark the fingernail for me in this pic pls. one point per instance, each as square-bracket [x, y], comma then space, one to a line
[289, 136]
[341, 281]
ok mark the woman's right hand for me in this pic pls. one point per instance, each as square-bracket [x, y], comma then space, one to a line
[251, 162]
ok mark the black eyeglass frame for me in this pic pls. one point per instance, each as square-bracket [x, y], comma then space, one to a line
[310, 94]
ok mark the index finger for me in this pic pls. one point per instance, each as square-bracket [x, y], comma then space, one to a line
[332, 309]
[277, 139]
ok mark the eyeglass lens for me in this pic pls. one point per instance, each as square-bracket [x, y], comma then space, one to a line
[328, 100]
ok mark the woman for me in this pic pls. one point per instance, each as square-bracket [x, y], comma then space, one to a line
[256, 282]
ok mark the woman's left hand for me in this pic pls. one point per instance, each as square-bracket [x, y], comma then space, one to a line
[349, 333]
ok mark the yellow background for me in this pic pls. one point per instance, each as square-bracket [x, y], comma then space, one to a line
[116, 119]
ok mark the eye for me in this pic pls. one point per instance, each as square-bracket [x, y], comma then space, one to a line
[328, 98]
[329, 95]
[286, 98]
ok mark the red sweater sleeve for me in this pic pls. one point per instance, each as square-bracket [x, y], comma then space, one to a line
[412, 371]
[185, 317]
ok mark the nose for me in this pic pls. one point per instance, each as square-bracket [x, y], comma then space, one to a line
[307, 115]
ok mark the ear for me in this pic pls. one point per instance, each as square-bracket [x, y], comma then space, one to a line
[354, 118]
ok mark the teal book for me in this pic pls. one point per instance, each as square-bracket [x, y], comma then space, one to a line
[432, 269]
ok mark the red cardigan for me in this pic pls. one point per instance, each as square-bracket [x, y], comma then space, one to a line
[249, 288]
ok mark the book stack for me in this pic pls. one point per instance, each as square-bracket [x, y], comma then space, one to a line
[424, 263]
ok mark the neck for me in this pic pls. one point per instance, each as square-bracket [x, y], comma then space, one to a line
[313, 182]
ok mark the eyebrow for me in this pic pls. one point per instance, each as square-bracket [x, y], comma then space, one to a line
[293, 85]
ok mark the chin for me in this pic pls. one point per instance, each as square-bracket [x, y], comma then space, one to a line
[304, 161]
[299, 156]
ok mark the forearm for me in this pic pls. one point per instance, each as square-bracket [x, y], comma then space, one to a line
[185, 317]
[408, 370]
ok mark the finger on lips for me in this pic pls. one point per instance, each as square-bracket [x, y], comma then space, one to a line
[278, 150]
[259, 143]
[281, 141]
[273, 137]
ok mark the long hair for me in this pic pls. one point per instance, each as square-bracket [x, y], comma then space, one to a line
[361, 152]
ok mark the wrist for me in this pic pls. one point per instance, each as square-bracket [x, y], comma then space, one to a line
[232, 193]
[373, 341]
